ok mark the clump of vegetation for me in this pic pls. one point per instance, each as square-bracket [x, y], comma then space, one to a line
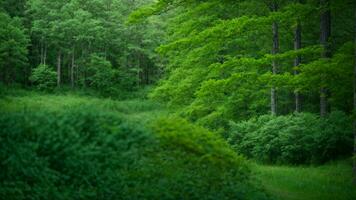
[103, 77]
[293, 139]
[82, 154]
[44, 78]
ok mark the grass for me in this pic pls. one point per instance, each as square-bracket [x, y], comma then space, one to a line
[137, 110]
[327, 182]
[332, 181]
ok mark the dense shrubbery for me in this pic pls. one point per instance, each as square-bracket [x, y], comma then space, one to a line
[81, 154]
[107, 80]
[102, 77]
[294, 139]
[44, 78]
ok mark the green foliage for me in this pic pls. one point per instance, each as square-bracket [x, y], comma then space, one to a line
[53, 145]
[79, 29]
[219, 58]
[13, 50]
[101, 75]
[294, 139]
[202, 151]
[44, 78]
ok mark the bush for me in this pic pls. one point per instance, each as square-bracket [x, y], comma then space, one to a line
[82, 154]
[44, 78]
[102, 76]
[293, 139]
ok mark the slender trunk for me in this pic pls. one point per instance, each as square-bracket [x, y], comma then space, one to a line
[59, 69]
[275, 51]
[45, 54]
[41, 57]
[297, 61]
[354, 114]
[325, 27]
[72, 69]
[138, 70]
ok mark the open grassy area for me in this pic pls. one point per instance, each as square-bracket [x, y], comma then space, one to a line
[137, 110]
[328, 182]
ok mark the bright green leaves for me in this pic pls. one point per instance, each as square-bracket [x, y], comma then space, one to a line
[302, 138]
[44, 78]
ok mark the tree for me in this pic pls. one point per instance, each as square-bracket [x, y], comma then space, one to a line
[67, 32]
[354, 113]
[13, 50]
[275, 50]
[297, 60]
[325, 31]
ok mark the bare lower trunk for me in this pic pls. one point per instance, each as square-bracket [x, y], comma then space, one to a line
[354, 126]
[45, 54]
[297, 61]
[354, 115]
[41, 57]
[275, 51]
[273, 101]
[325, 32]
[59, 69]
[72, 70]
[323, 102]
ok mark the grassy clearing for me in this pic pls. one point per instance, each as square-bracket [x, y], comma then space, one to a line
[137, 110]
[328, 182]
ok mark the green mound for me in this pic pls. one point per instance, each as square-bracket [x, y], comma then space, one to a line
[82, 154]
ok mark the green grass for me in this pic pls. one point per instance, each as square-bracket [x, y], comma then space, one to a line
[328, 182]
[137, 110]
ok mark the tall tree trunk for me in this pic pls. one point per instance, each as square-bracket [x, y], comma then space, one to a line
[297, 61]
[354, 117]
[72, 69]
[275, 51]
[45, 54]
[325, 32]
[41, 57]
[59, 68]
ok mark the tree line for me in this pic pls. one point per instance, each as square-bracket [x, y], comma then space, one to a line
[83, 42]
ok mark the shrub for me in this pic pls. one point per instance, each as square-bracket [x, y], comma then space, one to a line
[83, 154]
[44, 78]
[102, 76]
[293, 139]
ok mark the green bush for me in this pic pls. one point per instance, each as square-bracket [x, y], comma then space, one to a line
[82, 154]
[44, 78]
[102, 76]
[293, 139]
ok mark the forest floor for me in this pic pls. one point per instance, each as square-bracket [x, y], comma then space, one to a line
[327, 182]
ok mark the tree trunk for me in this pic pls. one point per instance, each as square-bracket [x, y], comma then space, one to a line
[325, 32]
[297, 61]
[72, 70]
[41, 57]
[354, 114]
[59, 69]
[45, 54]
[275, 51]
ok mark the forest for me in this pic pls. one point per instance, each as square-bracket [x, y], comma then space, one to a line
[178, 99]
